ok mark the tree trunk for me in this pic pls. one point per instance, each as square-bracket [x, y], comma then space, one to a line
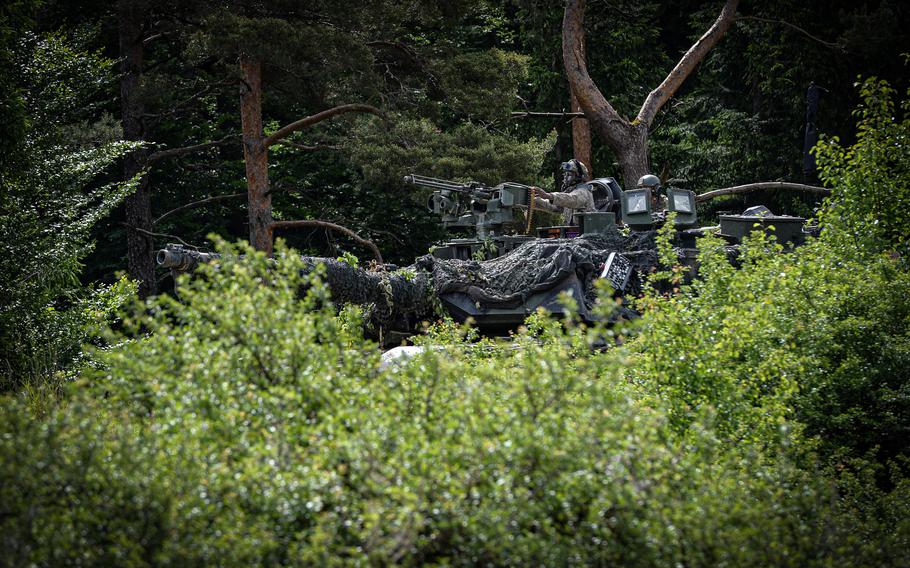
[140, 247]
[633, 155]
[581, 129]
[255, 155]
[581, 138]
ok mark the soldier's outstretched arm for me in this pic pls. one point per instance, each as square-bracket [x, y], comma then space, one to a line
[575, 199]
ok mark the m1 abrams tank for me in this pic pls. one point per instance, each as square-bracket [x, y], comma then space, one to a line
[496, 278]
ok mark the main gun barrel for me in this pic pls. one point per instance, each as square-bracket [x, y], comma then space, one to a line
[181, 259]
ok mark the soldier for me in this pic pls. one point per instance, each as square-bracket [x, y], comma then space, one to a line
[575, 195]
[658, 201]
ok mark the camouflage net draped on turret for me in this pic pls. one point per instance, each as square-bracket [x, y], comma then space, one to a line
[400, 300]
[536, 266]
[392, 300]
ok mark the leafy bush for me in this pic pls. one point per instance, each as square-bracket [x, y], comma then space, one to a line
[250, 425]
[810, 335]
[870, 180]
[49, 204]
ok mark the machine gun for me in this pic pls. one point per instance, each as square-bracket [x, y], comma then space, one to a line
[473, 205]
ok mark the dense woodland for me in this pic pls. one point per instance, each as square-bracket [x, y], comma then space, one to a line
[758, 415]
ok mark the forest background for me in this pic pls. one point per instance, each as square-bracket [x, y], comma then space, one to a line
[760, 416]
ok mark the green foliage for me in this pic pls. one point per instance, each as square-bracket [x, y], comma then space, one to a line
[702, 147]
[251, 425]
[870, 180]
[467, 151]
[329, 61]
[808, 335]
[483, 85]
[49, 207]
[349, 259]
[15, 17]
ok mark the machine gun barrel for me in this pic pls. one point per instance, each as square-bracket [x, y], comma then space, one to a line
[471, 187]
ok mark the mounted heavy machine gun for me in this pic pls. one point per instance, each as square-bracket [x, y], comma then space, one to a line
[489, 211]
[486, 212]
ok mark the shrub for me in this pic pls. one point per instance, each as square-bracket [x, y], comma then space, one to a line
[809, 335]
[250, 425]
[870, 180]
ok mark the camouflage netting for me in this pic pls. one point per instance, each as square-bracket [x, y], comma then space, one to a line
[393, 300]
[536, 266]
[400, 300]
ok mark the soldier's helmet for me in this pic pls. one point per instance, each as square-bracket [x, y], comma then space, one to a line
[651, 182]
[573, 172]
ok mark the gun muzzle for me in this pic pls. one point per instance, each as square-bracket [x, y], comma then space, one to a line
[177, 258]
[167, 259]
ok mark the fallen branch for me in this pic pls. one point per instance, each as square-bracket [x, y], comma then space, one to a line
[761, 186]
[199, 203]
[326, 225]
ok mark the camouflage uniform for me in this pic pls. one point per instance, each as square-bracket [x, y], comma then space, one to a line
[577, 199]
[576, 195]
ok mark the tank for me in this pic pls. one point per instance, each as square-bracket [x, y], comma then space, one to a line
[495, 278]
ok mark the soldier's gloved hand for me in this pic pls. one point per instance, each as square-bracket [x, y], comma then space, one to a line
[541, 193]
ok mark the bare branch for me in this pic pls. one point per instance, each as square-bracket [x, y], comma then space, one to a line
[285, 131]
[659, 96]
[214, 199]
[829, 44]
[176, 107]
[305, 148]
[152, 38]
[390, 234]
[326, 225]
[760, 186]
[199, 203]
[401, 47]
[174, 152]
[162, 235]
[523, 114]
